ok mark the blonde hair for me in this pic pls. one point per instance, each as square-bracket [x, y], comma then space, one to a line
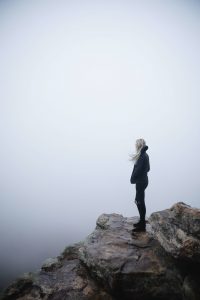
[140, 143]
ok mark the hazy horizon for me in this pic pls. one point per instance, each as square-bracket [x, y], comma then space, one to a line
[80, 82]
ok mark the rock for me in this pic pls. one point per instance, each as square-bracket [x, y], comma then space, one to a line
[59, 279]
[178, 230]
[130, 267]
[191, 288]
[113, 264]
[51, 264]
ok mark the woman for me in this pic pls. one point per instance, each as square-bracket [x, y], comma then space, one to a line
[140, 178]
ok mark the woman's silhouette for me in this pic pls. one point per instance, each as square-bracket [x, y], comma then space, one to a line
[140, 178]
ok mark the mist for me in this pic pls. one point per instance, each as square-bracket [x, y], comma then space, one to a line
[80, 82]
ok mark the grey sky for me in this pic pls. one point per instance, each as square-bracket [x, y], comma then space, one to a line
[80, 82]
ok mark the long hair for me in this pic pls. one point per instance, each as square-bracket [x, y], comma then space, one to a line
[140, 143]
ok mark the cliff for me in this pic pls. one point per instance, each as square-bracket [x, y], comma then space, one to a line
[112, 263]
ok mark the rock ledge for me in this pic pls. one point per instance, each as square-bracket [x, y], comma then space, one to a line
[112, 263]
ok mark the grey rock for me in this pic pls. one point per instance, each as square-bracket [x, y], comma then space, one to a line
[51, 264]
[178, 230]
[62, 278]
[114, 264]
[130, 267]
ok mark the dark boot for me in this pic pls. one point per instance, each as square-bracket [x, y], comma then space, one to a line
[140, 227]
[137, 224]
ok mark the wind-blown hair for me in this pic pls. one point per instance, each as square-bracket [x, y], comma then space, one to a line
[140, 143]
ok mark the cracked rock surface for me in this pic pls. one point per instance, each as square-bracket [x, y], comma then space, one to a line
[112, 263]
[130, 265]
[60, 278]
[178, 230]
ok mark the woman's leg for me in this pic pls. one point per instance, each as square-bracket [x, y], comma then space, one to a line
[140, 200]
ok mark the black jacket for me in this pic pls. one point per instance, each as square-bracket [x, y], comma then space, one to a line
[141, 168]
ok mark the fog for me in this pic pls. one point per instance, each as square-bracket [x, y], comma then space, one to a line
[80, 82]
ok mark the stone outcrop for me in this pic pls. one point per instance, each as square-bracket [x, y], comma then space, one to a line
[60, 278]
[112, 263]
[132, 267]
[178, 230]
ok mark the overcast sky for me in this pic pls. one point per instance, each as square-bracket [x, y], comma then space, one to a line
[80, 82]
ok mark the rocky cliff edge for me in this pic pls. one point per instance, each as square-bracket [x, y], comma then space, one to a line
[112, 263]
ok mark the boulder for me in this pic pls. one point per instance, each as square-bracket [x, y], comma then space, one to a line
[178, 230]
[130, 266]
[112, 263]
[60, 278]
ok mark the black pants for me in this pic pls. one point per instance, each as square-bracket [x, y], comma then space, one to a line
[140, 198]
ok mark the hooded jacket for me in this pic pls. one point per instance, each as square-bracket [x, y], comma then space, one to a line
[141, 167]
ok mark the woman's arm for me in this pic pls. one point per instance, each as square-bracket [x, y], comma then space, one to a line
[137, 170]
